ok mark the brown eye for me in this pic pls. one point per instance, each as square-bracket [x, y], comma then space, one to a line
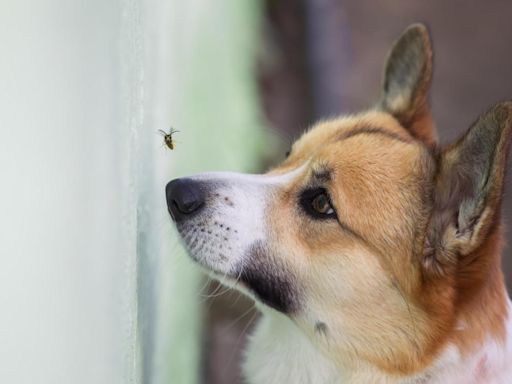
[315, 202]
[322, 205]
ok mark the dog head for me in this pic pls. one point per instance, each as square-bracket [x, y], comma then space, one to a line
[367, 233]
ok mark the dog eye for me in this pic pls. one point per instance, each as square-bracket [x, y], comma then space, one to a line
[287, 154]
[322, 205]
[317, 204]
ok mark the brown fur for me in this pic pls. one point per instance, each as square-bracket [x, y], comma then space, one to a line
[419, 253]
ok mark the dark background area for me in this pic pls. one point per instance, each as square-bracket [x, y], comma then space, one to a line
[324, 57]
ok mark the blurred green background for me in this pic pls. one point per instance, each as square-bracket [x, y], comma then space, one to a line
[216, 107]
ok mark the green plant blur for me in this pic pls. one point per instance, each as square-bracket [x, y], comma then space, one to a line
[215, 99]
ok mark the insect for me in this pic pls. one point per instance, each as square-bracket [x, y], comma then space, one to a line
[168, 137]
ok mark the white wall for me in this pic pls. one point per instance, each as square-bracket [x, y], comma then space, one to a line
[69, 112]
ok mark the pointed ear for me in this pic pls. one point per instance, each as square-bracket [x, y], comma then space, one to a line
[406, 83]
[468, 191]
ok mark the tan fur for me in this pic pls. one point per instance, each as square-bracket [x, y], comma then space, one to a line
[380, 188]
[386, 300]
[373, 196]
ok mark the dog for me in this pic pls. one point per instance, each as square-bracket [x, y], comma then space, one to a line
[372, 252]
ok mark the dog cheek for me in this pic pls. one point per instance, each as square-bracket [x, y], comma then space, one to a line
[270, 280]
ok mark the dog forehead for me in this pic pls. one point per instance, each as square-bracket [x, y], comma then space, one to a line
[372, 141]
[331, 131]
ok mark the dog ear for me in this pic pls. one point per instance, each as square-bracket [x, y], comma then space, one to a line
[406, 83]
[468, 191]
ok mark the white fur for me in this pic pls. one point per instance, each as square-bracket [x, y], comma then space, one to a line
[279, 352]
[221, 249]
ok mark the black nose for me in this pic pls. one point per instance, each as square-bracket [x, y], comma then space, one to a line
[184, 198]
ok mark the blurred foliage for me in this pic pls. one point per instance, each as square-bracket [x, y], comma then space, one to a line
[216, 109]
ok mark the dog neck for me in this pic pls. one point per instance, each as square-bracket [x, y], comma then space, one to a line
[279, 352]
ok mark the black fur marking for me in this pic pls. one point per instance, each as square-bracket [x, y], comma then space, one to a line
[321, 328]
[322, 175]
[374, 131]
[269, 280]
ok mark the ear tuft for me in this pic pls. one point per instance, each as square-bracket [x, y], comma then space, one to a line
[406, 82]
[469, 187]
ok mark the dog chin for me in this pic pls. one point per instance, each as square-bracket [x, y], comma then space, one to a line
[217, 268]
[249, 269]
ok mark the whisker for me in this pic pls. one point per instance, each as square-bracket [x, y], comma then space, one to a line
[249, 323]
[235, 321]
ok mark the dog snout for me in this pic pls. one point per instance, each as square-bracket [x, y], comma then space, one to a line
[185, 197]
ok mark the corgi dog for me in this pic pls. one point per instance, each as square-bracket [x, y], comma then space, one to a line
[372, 252]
